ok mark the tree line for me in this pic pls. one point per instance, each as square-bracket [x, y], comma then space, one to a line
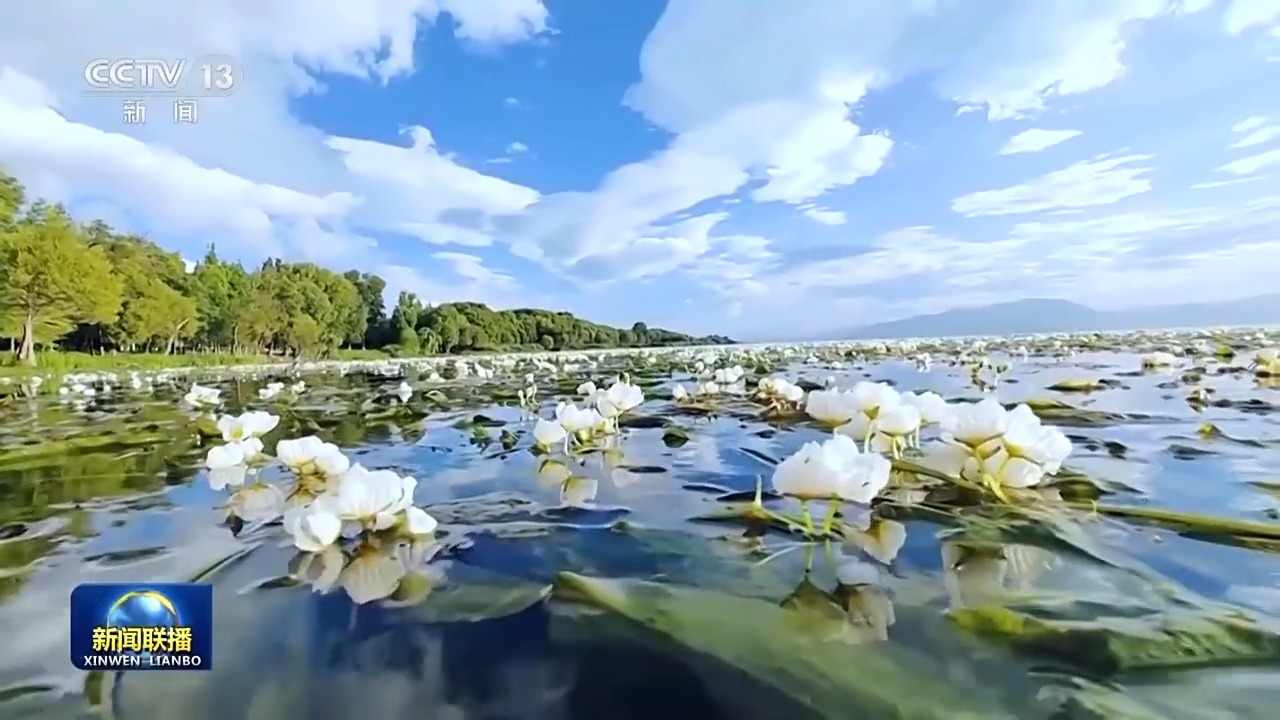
[86, 287]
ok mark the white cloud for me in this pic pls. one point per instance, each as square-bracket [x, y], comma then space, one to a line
[473, 268]
[1252, 164]
[1258, 137]
[1036, 139]
[775, 108]
[1248, 124]
[249, 170]
[1225, 183]
[825, 215]
[516, 148]
[1100, 181]
[1242, 15]
[61, 159]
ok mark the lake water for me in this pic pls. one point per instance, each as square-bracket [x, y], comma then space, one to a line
[604, 597]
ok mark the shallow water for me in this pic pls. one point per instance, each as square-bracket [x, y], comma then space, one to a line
[111, 490]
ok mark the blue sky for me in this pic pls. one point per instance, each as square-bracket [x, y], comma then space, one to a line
[766, 170]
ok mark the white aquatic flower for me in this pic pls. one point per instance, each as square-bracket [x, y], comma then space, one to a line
[703, 389]
[252, 424]
[833, 469]
[312, 528]
[587, 390]
[548, 433]
[619, 398]
[228, 464]
[933, 408]
[679, 394]
[975, 424]
[311, 456]
[870, 397]
[579, 491]
[833, 407]
[371, 576]
[1159, 359]
[258, 502]
[368, 499]
[404, 392]
[320, 568]
[201, 396]
[419, 522]
[575, 419]
[777, 388]
[1014, 472]
[271, 390]
[553, 472]
[883, 539]
[897, 420]
[1027, 438]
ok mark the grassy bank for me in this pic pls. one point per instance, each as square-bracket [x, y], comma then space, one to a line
[61, 363]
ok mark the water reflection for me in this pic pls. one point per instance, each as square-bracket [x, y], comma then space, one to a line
[103, 490]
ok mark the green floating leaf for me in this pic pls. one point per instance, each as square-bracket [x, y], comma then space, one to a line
[643, 422]
[675, 436]
[1076, 385]
[835, 680]
[1109, 646]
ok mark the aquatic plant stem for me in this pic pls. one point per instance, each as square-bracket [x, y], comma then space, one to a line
[833, 505]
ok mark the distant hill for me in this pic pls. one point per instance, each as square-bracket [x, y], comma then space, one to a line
[1048, 316]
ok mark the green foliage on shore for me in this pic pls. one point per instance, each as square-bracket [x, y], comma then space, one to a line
[90, 290]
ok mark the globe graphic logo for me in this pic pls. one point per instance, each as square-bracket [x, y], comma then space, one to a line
[142, 608]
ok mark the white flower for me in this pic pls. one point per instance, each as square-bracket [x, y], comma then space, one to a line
[679, 394]
[587, 390]
[553, 472]
[253, 424]
[271, 390]
[547, 433]
[706, 388]
[368, 499]
[870, 397]
[1026, 438]
[313, 529]
[371, 576]
[258, 502]
[404, 392]
[312, 456]
[575, 419]
[933, 409]
[834, 468]
[1159, 360]
[975, 424]
[950, 459]
[200, 396]
[833, 407]
[618, 399]
[882, 540]
[578, 491]
[418, 522]
[228, 464]
[319, 568]
[897, 420]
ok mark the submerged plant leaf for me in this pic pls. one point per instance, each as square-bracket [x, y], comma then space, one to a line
[1108, 646]
[837, 680]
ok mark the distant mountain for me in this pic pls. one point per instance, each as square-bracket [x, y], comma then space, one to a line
[1023, 317]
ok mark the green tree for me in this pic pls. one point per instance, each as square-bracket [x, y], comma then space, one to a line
[53, 280]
